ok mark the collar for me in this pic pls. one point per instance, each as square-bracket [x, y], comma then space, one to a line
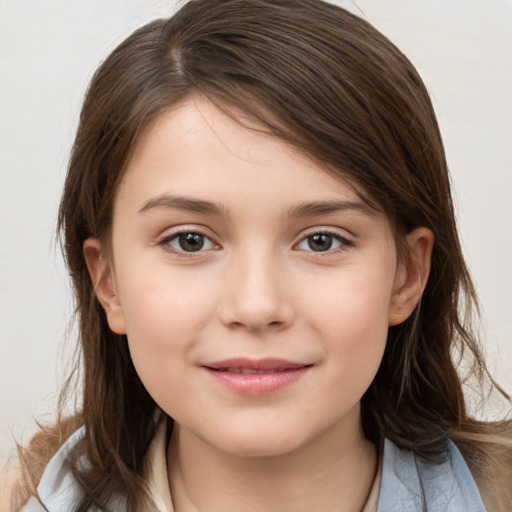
[410, 484]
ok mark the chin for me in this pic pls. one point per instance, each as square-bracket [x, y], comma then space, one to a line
[258, 448]
[256, 443]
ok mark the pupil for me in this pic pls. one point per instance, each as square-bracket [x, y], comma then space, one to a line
[191, 242]
[320, 242]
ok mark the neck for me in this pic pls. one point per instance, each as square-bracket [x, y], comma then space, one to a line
[334, 472]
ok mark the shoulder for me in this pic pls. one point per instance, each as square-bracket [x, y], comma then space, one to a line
[34, 458]
[58, 489]
[491, 465]
[411, 484]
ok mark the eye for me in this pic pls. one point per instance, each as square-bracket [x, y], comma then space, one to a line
[323, 242]
[187, 242]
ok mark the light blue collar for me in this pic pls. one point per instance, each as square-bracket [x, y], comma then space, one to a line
[408, 485]
[411, 485]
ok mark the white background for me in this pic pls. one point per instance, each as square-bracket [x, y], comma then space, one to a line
[48, 52]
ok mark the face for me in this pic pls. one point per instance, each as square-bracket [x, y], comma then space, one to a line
[255, 289]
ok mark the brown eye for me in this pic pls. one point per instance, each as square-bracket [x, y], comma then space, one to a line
[320, 242]
[191, 242]
[188, 242]
[323, 242]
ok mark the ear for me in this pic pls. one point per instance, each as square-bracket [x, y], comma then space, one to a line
[104, 284]
[412, 274]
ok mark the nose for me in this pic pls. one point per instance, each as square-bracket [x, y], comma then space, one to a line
[257, 295]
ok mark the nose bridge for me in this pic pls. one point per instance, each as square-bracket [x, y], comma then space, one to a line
[255, 289]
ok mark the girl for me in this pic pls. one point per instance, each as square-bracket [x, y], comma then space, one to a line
[258, 223]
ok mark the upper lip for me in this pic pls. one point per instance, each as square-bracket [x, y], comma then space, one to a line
[268, 364]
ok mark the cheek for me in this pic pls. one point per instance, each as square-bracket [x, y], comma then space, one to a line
[164, 321]
[160, 305]
[351, 319]
[355, 302]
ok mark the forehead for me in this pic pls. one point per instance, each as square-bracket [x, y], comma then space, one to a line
[197, 151]
[197, 124]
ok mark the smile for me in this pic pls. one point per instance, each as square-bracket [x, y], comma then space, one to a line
[256, 377]
[250, 371]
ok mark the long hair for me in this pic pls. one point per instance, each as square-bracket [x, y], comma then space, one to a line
[328, 83]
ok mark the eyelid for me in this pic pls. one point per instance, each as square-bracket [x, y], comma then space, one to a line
[345, 241]
[173, 233]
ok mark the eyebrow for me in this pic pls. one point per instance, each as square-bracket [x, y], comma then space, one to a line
[183, 203]
[306, 209]
[326, 207]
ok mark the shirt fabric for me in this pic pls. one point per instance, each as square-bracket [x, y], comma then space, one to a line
[403, 483]
[159, 485]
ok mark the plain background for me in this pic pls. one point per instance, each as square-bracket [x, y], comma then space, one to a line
[48, 52]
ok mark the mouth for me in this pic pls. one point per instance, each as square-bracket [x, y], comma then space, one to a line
[256, 376]
[249, 371]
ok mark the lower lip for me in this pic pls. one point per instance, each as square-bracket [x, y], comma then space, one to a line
[258, 383]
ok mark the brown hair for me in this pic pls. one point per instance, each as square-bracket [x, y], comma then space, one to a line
[331, 85]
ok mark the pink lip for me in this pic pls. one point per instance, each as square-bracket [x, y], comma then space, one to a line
[240, 374]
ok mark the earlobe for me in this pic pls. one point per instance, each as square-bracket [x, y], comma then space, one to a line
[412, 275]
[104, 284]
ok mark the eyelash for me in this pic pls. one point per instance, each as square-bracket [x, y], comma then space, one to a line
[344, 243]
[166, 243]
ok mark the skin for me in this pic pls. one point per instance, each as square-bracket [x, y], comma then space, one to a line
[256, 289]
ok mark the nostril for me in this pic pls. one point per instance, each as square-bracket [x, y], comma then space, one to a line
[255, 312]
